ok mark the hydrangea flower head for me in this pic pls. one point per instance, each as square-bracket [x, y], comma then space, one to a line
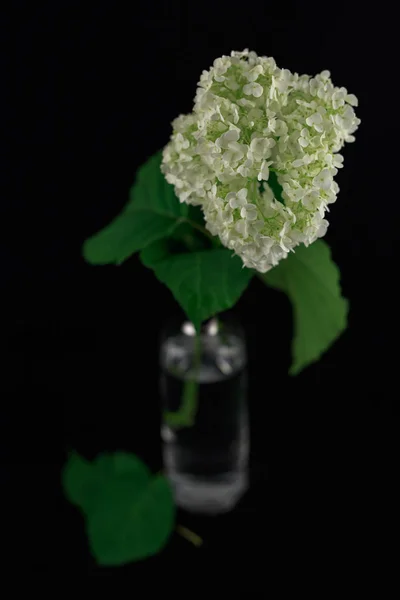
[259, 154]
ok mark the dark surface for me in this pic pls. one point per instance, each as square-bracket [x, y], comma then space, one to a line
[93, 90]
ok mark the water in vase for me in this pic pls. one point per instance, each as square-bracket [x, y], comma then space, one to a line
[206, 458]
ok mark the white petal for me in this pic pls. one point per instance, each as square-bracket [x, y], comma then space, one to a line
[257, 90]
[253, 89]
[352, 99]
[226, 138]
[241, 227]
[242, 194]
[231, 199]
[251, 214]
[297, 163]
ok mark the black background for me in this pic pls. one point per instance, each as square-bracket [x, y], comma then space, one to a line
[92, 89]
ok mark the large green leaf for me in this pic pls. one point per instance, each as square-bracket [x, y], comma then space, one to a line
[204, 283]
[130, 513]
[130, 523]
[120, 465]
[83, 480]
[153, 212]
[80, 482]
[311, 280]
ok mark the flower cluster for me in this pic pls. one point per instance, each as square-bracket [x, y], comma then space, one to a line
[259, 153]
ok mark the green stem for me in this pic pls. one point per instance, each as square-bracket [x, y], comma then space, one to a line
[260, 276]
[255, 194]
[264, 278]
[215, 241]
[189, 535]
[198, 227]
[186, 414]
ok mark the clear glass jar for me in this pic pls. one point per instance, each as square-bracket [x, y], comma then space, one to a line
[205, 429]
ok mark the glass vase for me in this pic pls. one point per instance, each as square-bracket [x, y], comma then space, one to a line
[205, 430]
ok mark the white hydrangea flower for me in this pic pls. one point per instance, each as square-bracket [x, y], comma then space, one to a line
[253, 122]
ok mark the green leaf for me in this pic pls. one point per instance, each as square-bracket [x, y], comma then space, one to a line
[203, 283]
[311, 280]
[157, 252]
[83, 480]
[189, 238]
[121, 464]
[130, 513]
[130, 523]
[79, 482]
[152, 213]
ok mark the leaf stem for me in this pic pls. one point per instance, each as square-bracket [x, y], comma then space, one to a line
[185, 415]
[189, 535]
[261, 276]
[195, 225]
